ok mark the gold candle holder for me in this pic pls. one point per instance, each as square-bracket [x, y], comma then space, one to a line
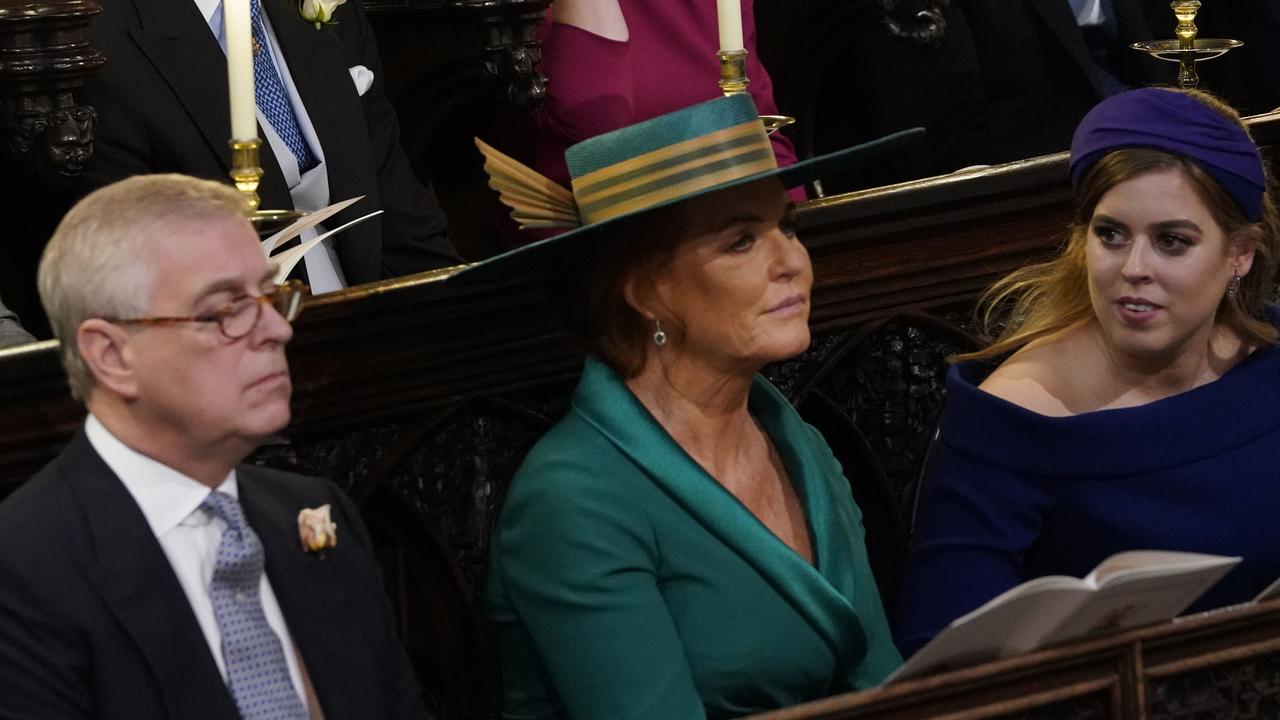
[733, 71]
[1186, 49]
[1186, 11]
[246, 174]
[734, 81]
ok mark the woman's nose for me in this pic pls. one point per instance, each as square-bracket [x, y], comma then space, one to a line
[1137, 264]
[791, 257]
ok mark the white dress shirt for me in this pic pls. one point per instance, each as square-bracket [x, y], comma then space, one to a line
[170, 501]
[1088, 12]
[310, 190]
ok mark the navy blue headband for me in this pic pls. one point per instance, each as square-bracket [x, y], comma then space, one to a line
[1179, 124]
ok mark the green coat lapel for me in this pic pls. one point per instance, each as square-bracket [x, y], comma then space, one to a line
[822, 594]
[834, 520]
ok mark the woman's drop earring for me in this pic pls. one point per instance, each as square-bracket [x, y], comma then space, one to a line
[1233, 287]
[659, 337]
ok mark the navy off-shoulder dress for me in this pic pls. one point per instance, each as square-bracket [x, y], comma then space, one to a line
[1012, 495]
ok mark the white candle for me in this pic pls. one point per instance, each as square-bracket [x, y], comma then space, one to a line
[729, 14]
[239, 34]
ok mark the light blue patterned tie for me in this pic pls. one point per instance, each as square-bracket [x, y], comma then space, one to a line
[256, 669]
[272, 99]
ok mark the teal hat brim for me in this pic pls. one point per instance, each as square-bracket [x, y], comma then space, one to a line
[540, 255]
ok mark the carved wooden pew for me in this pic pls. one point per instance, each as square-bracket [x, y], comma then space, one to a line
[1223, 664]
[421, 399]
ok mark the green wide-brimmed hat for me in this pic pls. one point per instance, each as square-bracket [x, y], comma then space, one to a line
[672, 158]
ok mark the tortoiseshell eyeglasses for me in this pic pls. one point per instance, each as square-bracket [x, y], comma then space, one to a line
[239, 317]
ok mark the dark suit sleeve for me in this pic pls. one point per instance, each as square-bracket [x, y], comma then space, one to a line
[43, 673]
[414, 232]
[400, 687]
[121, 144]
[142, 125]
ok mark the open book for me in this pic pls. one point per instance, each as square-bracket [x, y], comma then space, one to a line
[1126, 590]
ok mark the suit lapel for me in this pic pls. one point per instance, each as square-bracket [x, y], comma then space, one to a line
[609, 405]
[1057, 16]
[135, 579]
[178, 42]
[311, 595]
[315, 64]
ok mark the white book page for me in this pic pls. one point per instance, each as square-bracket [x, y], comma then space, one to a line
[1125, 566]
[1143, 595]
[1011, 623]
[1125, 590]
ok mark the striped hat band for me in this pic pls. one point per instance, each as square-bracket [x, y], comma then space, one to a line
[674, 171]
[659, 162]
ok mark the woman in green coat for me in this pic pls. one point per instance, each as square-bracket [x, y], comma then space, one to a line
[681, 544]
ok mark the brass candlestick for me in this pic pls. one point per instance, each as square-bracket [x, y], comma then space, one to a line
[734, 81]
[246, 173]
[1187, 49]
[733, 71]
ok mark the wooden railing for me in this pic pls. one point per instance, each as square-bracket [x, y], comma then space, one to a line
[1214, 666]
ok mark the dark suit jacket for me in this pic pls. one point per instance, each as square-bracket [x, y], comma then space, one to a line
[162, 107]
[93, 621]
[1038, 76]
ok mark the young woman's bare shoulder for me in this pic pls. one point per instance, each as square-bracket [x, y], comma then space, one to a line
[1036, 378]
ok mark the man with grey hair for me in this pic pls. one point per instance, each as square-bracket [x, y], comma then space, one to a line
[143, 574]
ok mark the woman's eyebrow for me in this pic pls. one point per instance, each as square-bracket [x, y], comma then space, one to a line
[744, 219]
[1179, 224]
[1103, 218]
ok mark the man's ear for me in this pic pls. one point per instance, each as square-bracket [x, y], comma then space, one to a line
[105, 349]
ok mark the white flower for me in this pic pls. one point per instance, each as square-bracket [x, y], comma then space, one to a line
[316, 531]
[319, 12]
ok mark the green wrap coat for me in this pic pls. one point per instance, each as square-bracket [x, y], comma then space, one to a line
[625, 582]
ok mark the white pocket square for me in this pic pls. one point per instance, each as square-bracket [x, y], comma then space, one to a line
[362, 77]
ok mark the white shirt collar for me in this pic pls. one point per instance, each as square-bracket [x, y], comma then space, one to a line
[208, 8]
[165, 495]
[1088, 12]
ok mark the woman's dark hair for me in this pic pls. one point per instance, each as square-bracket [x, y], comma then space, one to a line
[588, 289]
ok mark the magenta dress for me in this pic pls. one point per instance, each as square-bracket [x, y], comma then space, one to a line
[596, 85]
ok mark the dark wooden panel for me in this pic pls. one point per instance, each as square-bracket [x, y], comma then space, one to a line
[1247, 689]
